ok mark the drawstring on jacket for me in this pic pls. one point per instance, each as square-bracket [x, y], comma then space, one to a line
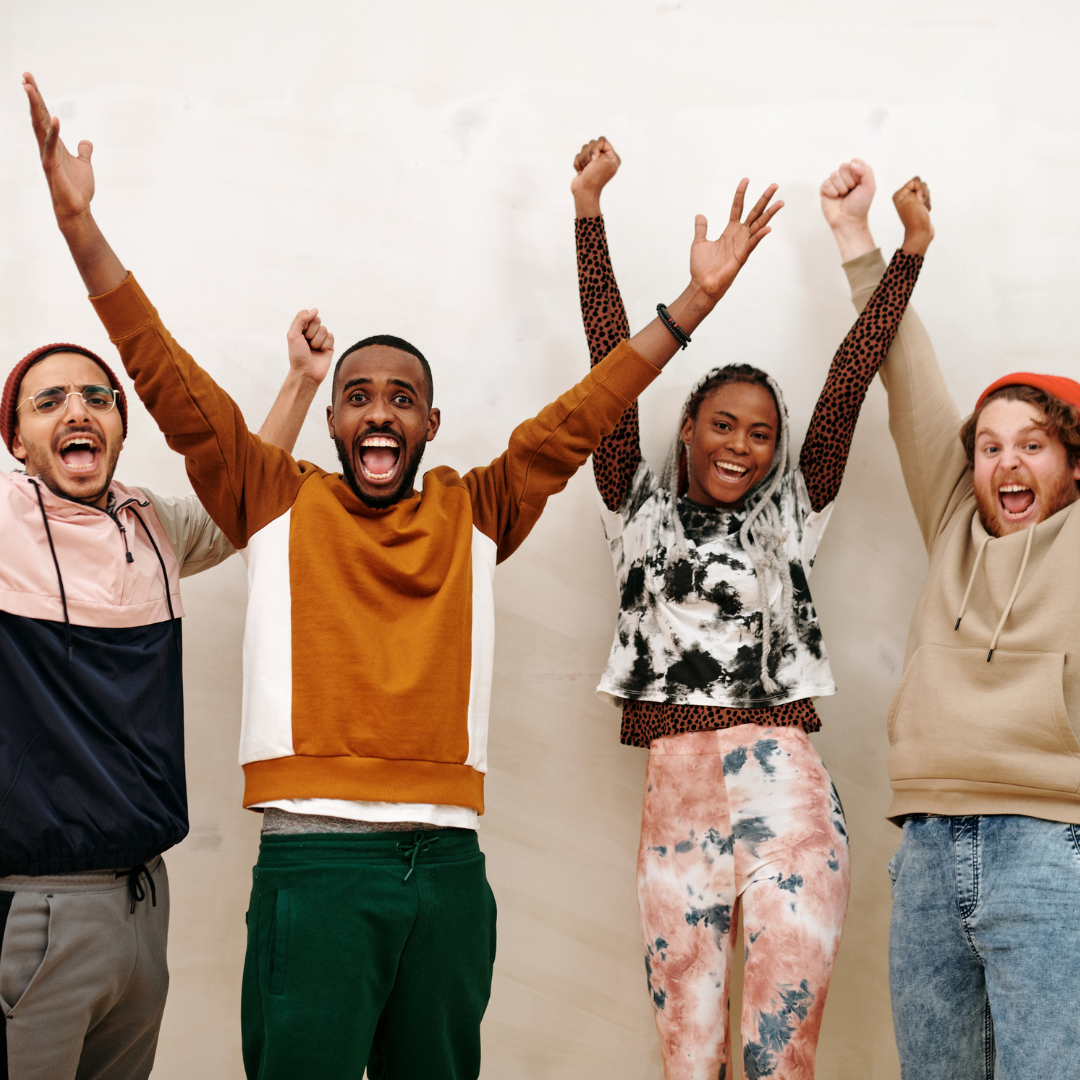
[164, 574]
[130, 559]
[59, 576]
[1012, 597]
[411, 850]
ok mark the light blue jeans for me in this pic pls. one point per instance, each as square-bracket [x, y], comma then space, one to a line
[984, 949]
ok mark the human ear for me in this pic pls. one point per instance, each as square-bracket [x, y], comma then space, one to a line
[330, 420]
[434, 419]
[687, 433]
[18, 447]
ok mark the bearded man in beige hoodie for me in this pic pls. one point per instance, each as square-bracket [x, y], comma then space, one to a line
[984, 759]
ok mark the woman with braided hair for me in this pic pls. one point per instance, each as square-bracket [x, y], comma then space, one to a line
[717, 656]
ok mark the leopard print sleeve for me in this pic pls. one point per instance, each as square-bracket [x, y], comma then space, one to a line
[828, 439]
[616, 459]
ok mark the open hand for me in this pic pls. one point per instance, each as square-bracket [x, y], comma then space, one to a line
[71, 178]
[912, 203]
[714, 264]
[311, 346]
[847, 194]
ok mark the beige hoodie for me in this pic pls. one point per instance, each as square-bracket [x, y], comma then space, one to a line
[970, 734]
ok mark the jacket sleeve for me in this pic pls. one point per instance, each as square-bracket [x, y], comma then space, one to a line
[923, 418]
[243, 482]
[199, 544]
[510, 494]
[616, 459]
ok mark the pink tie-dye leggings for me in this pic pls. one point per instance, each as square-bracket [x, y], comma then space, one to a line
[750, 814]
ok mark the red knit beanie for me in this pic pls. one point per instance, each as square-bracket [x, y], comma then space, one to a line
[9, 402]
[1065, 389]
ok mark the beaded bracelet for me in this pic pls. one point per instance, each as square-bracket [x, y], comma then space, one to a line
[677, 332]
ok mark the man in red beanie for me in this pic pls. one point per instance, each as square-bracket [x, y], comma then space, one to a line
[984, 958]
[92, 786]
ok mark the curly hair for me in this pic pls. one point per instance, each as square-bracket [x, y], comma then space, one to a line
[1061, 420]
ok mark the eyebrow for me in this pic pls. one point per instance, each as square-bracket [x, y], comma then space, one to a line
[990, 433]
[363, 380]
[77, 388]
[732, 416]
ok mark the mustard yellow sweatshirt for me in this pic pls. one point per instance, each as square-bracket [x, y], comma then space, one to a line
[986, 716]
[370, 633]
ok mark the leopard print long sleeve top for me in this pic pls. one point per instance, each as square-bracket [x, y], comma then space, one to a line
[822, 460]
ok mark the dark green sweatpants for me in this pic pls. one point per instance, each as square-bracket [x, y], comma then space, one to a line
[368, 950]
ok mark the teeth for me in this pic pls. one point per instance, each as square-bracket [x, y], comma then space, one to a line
[727, 466]
[77, 442]
[379, 440]
[1014, 487]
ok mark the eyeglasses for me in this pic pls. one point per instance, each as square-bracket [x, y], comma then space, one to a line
[54, 401]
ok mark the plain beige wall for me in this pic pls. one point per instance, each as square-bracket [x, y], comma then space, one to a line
[405, 167]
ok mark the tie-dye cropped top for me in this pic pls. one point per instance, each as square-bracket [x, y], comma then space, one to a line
[686, 671]
[689, 631]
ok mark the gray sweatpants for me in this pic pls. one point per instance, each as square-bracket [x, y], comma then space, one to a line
[82, 978]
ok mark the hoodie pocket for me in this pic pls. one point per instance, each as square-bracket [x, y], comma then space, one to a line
[957, 717]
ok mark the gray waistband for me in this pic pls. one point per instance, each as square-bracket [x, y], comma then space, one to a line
[80, 881]
[285, 823]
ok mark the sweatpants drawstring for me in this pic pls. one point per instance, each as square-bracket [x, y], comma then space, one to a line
[138, 893]
[411, 850]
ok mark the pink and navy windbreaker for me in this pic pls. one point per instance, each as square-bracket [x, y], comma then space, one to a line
[91, 692]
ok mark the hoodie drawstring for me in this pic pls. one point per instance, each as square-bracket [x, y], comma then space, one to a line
[1012, 598]
[971, 581]
[59, 576]
[123, 533]
[164, 574]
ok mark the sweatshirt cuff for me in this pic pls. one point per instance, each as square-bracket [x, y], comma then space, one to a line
[124, 310]
[865, 272]
[626, 372]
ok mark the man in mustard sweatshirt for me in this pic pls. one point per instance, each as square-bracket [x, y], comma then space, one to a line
[984, 757]
[367, 654]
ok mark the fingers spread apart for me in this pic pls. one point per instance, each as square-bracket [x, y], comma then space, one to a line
[759, 216]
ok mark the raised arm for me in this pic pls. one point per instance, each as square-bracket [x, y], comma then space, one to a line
[509, 495]
[828, 439]
[311, 348]
[923, 417]
[243, 482]
[713, 266]
[616, 459]
[71, 185]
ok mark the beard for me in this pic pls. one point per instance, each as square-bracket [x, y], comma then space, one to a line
[39, 464]
[1062, 494]
[380, 502]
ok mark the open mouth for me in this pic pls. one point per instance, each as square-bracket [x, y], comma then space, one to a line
[80, 453]
[1015, 499]
[730, 472]
[379, 456]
